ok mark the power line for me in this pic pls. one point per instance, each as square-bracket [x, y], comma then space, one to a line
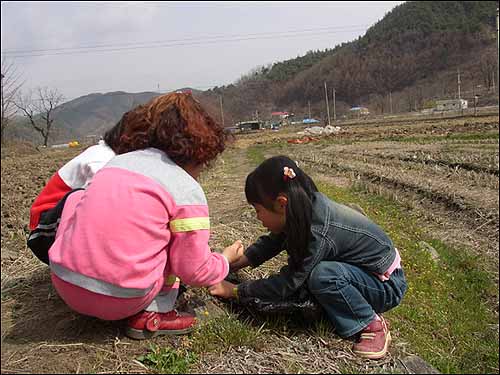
[9, 51]
[166, 45]
[202, 4]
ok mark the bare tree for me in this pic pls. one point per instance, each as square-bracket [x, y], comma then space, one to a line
[410, 98]
[487, 67]
[379, 102]
[39, 110]
[11, 84]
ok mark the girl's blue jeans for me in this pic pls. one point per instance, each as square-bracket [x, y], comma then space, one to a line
[351, 297]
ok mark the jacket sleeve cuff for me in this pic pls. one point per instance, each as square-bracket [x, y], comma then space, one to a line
[243, 289]
[253, 256]
[227, 261]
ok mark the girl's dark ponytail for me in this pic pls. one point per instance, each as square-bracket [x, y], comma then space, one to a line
[298, 220]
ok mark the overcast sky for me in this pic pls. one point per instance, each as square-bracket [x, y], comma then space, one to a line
[87, 47]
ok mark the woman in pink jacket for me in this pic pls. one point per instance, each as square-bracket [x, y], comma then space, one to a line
[142, 224]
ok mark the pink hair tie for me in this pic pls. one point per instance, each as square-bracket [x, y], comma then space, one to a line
[288, 174]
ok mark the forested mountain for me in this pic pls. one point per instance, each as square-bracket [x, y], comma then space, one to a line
[413, 41]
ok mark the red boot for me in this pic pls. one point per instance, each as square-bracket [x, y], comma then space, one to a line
[375, 339]
[147, 324]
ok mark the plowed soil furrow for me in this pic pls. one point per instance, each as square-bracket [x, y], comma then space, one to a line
[435, 185]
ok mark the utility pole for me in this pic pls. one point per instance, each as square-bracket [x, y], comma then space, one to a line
[3, 114]
[334, 111]
[221, 110]
[309, 105]
[497, 54]
[327, 107]
[458, 80]
[390, 101]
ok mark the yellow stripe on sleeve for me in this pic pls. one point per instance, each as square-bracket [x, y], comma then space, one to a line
[189, 224]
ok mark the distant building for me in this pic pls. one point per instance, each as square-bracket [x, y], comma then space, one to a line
[310, 121]
[281, 118]
[281, 115]
[362, 110]
[249, 125]
[359, 111]
[451, 104]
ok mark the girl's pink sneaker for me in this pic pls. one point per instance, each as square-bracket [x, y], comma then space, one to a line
[374, 341]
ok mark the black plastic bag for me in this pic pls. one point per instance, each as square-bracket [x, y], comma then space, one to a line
[302, 304]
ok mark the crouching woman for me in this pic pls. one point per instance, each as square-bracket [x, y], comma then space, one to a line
[143, 223]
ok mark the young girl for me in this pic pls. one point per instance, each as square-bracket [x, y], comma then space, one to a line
[344, 259]
[142, 223]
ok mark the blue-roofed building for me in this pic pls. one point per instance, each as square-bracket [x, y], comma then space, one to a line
[310, 121]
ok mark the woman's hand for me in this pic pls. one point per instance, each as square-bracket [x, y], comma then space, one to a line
[223, 289]
[234, 252]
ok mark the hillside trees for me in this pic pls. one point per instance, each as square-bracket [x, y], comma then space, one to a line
[488, 68]
[288, 69]
[384, 66]
[38, 107]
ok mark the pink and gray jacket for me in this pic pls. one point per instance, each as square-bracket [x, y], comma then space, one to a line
[141, 219]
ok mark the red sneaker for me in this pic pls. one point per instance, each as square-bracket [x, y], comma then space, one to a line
[147, 324]
[374, 341]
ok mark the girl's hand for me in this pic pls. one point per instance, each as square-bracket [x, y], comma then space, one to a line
[234, 252]
[223, 289]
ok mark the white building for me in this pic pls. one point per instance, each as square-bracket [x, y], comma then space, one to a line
[451, 104]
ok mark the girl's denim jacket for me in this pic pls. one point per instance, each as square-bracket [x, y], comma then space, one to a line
[339, 234]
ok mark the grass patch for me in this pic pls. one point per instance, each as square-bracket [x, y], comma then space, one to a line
[221, 333]
[168, 360]
[323, 328]
[446, 314]
[256, 154]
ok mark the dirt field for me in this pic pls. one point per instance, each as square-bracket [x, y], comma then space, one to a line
[445, 171]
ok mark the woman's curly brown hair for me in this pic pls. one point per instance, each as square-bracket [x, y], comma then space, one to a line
[175, 123]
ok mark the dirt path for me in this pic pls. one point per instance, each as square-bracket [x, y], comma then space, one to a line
[231, 216]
